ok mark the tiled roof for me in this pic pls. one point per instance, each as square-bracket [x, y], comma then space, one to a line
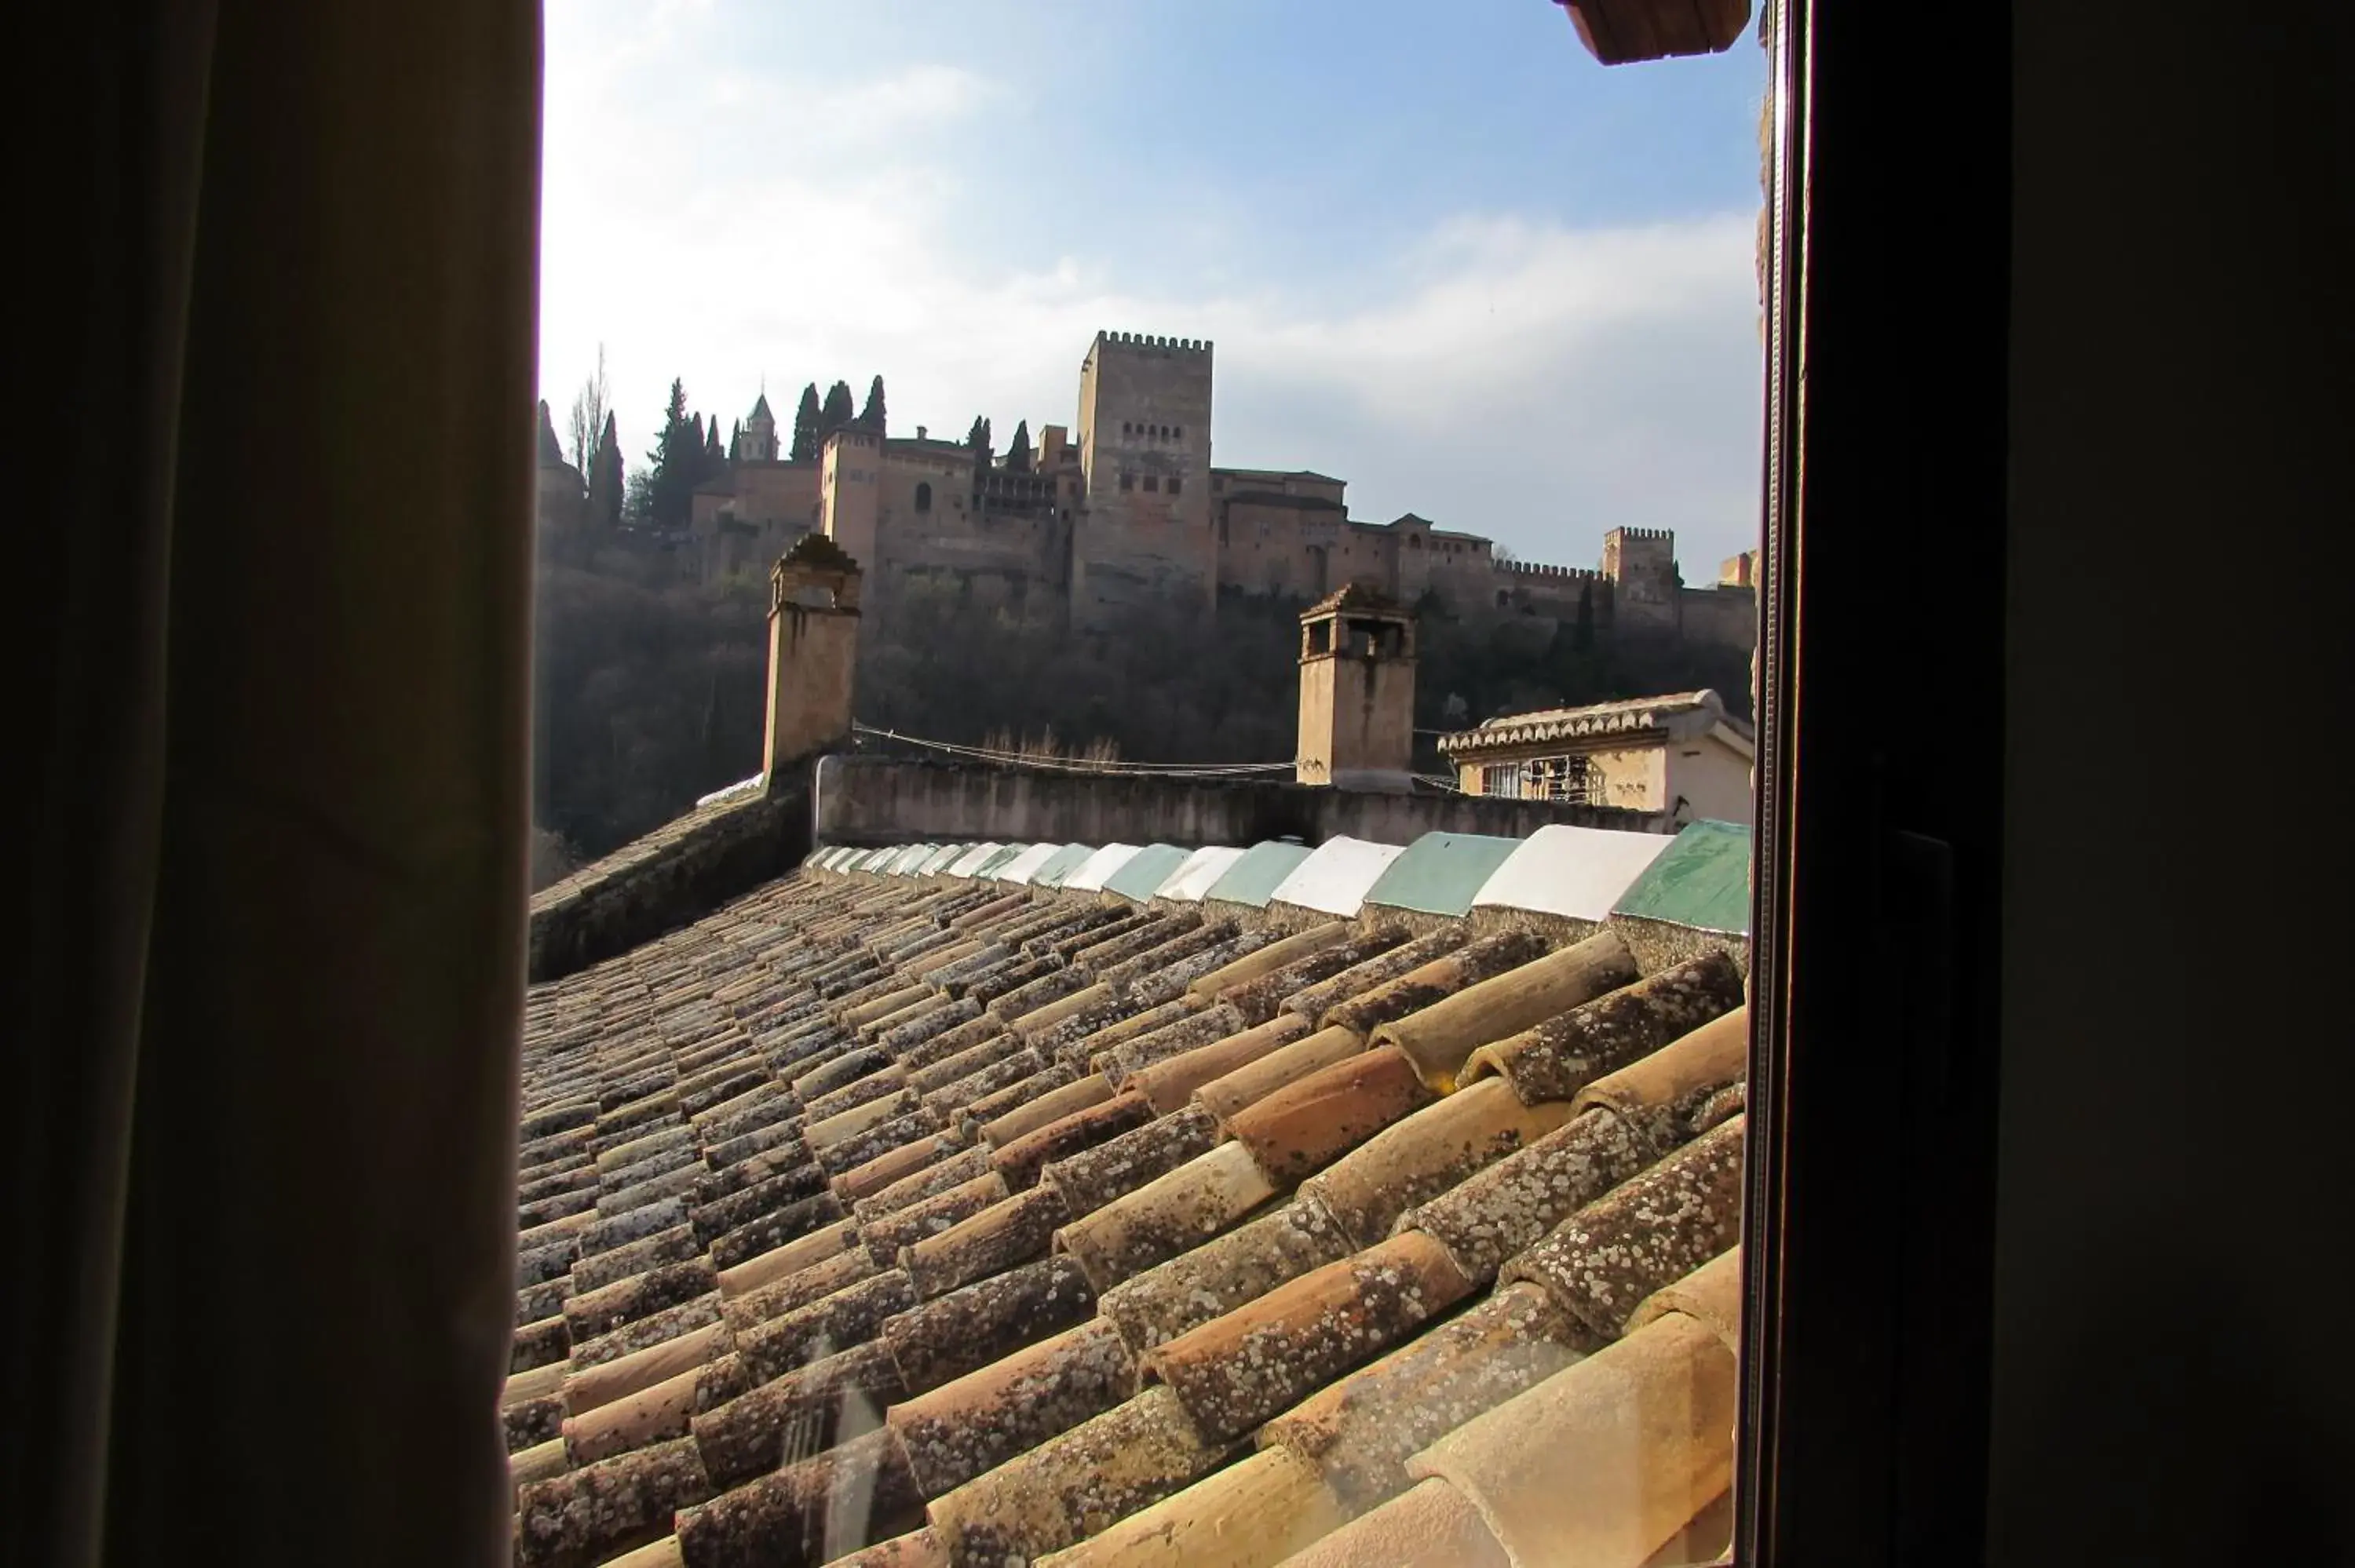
[1026, 865]
[884, 1217]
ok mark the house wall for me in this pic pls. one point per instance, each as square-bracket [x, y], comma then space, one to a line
[1712, 778]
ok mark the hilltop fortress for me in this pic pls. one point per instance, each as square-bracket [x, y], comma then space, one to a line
[1130, 512]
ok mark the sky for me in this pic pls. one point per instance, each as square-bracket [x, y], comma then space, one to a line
[1441, 253]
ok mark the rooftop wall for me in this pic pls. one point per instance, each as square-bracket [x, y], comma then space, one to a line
[877, 800]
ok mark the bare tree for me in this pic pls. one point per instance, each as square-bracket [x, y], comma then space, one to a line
[588, 421]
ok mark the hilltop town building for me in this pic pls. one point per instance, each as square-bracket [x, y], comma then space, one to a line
[1681, 754]
[1126, 509]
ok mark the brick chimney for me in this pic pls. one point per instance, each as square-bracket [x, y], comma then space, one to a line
[1356, 692]
[812, 651]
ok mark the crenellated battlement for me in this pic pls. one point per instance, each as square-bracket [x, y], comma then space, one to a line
[1551, 574]
[1147, 341]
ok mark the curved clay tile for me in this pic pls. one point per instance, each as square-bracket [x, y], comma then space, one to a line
[1711, 1294]
[1555, 1059]
[894, 1165]
[939, 1073]
[899, 997]
[1223, 1272]
[668, 1323]
[640, 1296]
[773, 1229]
[655, 1413]
[1020, 1161]
[1497, 1212]
[1262, 1358]
[748, 1203]
[1305, 1125]
[1426, 1154]
[1124, 940]
[1311, 1000]
[1259, 998]
[884, 1081]
[1152, 1019]
[807, 1513]
[1648, 1233]
[1432, 983]
[920, 1548]
[1091, 1178]
[583, 1515]
[883, 1237]
[928, 1025]
[1603, 1463]
[589, 1388]
[799, 1414]
[1362, 1429]
[981, 1420]
[976, 1117]
[1028, 998]
[848, 1316]
[917, 1122]
[925, 1184]
[1103, 962]
[1432, 1525]
[1067, 1038]
[969, 1328]
[1189, 1027]
[994, 1240]
[826, 1241]
[792, 1292]
[1677, 1081]
[1225, 1096]
[1441, 1036]
[1170, 1084]
[1167, 1215]
[1173, 981]
[1089, 1002]
[844, 1069]
[1273, 956]
[1008, 1067]
[1029, 1116]
[1074, 1485]
[1254, 1514]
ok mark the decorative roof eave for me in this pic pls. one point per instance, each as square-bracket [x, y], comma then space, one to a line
[1640, 723]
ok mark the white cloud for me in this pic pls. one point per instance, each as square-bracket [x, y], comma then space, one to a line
[1496, 373]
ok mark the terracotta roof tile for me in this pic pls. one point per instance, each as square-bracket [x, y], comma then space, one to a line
[869, 1146]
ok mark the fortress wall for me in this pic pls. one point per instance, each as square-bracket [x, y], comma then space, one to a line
[1721, 618]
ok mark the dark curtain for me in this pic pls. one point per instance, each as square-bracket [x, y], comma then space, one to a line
[270, 853]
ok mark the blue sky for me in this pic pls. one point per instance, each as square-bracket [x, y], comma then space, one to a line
[1443, 254]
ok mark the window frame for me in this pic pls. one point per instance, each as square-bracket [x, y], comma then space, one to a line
[1868, 1260]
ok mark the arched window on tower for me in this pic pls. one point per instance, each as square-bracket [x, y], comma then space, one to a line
[923, 497]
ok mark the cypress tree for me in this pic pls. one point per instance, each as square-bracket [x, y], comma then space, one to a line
[1018, 452]
[806, 424]
[552, 450]
[840, 411]
[605, 489]
[871, 416]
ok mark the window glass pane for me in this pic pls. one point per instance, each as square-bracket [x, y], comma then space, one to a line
[1254, 1051]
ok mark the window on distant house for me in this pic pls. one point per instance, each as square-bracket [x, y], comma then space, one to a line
[1128, 481]
[923, 498]
[1152, 483]
[1174, 484]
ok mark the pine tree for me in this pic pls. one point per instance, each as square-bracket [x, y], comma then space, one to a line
[552, 450]
[840, 411]
[674, 466]
[871, 416]
[605, 487]
[1018, 452]
[805, 423]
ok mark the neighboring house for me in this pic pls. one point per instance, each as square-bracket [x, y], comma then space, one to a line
[1682, 754]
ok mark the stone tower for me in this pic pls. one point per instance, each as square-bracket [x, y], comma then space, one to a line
[1646, 598]
[851, 477]
[1356, 692]
[759, 443]
[812, 651]
[1145, 455]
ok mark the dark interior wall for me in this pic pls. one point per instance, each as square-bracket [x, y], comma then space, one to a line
[2169, 1375]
